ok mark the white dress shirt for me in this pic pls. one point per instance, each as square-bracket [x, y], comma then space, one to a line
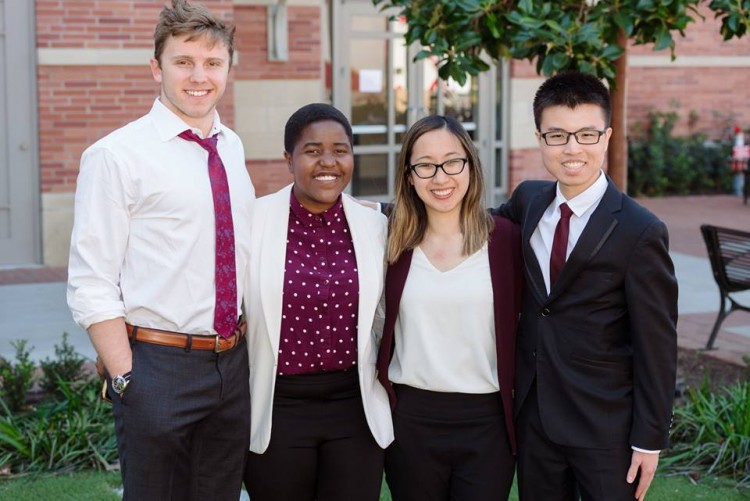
[143, 239]
[582, 206]
[445, 331]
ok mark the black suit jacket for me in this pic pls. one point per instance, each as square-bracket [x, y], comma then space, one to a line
[507, 284]
[602, 345]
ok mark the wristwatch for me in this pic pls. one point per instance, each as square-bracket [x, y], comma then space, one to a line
[119, 383]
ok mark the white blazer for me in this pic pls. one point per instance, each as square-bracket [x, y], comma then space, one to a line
[263, 302]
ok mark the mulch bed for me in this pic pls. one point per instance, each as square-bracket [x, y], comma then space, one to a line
[694, 365]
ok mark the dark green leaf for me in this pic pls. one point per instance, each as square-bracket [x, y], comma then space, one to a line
[624, 21]
[612, 52]
[663, 39]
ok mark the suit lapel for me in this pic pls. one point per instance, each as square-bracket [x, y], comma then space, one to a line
[537, 205]
[598, 229]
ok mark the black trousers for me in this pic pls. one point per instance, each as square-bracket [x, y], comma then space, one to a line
[321, 446]
[449, 446]
[183, 424]
[554, 472]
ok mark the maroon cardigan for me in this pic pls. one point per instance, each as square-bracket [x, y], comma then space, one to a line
[506, 270]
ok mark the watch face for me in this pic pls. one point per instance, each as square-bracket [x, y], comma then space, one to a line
[119, 383]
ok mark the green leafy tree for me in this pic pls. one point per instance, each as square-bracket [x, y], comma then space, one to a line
[590, 36]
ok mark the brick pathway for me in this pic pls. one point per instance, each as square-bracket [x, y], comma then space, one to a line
[33, 275]
[684, 216]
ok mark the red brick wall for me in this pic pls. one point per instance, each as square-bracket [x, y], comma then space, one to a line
[304, 45]
[105, 23]
[525, 164]
[268, 175]
[77, 106]
[714, 94]
[80, 104]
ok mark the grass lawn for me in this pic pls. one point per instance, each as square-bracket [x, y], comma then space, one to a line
[100, 487]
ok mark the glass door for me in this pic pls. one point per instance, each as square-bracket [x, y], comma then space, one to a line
[378, 85]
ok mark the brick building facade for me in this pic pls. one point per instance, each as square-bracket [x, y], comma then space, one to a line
[92, 76]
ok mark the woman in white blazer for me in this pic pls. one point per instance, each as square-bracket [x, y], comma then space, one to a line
[319, 418]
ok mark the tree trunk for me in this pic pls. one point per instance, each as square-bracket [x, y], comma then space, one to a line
[617, 160]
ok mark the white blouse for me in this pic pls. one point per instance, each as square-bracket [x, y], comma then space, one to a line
[445, 331]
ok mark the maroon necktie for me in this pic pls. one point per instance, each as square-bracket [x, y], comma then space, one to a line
[559, 244]
[225, 277]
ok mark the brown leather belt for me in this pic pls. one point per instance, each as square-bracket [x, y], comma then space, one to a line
[213, 343]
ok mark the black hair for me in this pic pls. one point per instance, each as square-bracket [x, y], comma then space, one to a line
[571, 89]
[311, 113]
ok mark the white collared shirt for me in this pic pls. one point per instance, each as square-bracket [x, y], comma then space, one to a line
[143, 239]
[582, 206]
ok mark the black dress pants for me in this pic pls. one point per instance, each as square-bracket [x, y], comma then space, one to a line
[448, 446]
[553, 472]
[321, 446]
[183, 424]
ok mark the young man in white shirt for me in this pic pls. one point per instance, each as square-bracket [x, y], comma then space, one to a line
[158, 253]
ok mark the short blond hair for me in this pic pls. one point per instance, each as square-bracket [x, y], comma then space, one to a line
[193, 20]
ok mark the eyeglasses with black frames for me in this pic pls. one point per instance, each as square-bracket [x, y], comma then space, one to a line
[583, 136]
[452, 167]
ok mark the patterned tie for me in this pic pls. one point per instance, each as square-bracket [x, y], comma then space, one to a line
[559, 244]
[225, 277]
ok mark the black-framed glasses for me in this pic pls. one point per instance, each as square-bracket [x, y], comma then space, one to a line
[451, 167]
[583, 136]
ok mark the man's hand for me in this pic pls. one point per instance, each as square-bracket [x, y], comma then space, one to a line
[645, 462]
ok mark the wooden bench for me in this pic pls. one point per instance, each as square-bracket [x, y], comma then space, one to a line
[729, 253]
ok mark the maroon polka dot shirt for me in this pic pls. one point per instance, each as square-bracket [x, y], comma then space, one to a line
[321, 293]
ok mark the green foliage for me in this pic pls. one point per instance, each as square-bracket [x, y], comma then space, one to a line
[67, 366]
[711, 433]
[70, 428]
[72, 431]
[661, 164]
[735, 16]
[16, 378]
[585, 35]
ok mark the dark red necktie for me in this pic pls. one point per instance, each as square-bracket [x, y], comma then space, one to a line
[225, 278]
[559, 244]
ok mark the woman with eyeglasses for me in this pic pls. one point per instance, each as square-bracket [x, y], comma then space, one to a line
[453, 295]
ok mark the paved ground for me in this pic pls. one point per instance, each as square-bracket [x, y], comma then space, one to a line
[32, 300]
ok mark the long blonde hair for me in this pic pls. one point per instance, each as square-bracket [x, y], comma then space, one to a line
[408, 221]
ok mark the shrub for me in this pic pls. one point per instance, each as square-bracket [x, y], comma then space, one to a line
[662, 164]
[73, 431]
[70, 428]
[711, 433]
[16, 379]
[67, 366]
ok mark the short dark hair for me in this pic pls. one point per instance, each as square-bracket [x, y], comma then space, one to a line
[571, 89]
[193, 20]
[311, 113]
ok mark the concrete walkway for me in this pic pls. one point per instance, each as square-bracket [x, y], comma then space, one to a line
[33, 307]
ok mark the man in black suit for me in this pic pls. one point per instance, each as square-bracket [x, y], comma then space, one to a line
[597, 344]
